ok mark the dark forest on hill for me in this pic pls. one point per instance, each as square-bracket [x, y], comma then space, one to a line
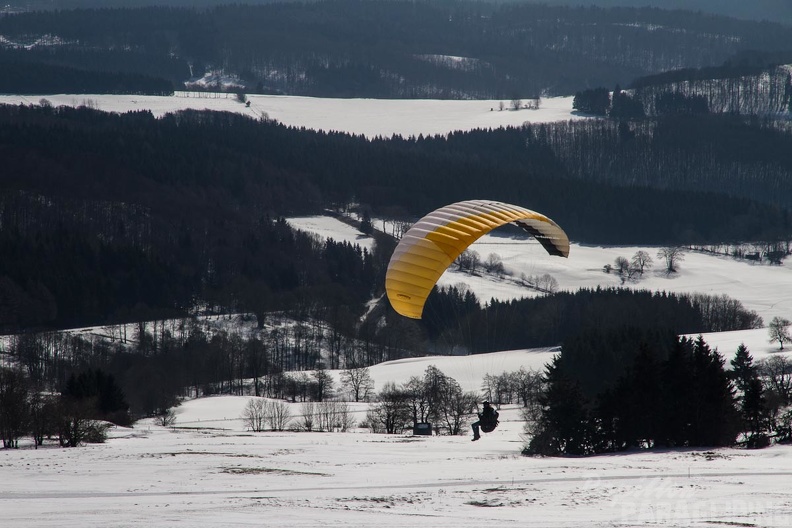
[112, 216]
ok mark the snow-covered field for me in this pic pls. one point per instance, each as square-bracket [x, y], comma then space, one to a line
[764, 288]
[368, 117]
[328, 227]
[210, 471]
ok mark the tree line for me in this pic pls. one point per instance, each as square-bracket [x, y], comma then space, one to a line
[24, 77]
[157, 362]
[747, 156]
[454, 317]
[80, 413]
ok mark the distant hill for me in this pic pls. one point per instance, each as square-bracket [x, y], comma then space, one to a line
[352, 48]
[775, 10]
[772, 10]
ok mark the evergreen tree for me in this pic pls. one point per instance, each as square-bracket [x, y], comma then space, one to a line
[754, 414]
[645, 399]
[625, 106]
[743, 369]
[629, 414]
[596, 101]
[714, 420]
[756, 420]
[101, 392]
[564, 423]
[677, 381]
[366, 226]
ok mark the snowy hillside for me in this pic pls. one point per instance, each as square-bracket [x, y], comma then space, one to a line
[209, 470]
[763, 288]
[368, 117]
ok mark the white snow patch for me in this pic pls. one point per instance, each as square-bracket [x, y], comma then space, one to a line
[367, 117]
[330, 227]
[216, 79]
[209, 470]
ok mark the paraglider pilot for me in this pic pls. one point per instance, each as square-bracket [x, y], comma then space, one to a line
[488, 420]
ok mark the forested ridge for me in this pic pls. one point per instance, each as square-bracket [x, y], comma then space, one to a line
[115, 217]
[438, 49]
[776, 10]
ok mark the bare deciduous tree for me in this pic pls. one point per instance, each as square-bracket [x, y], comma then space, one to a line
[641, 261]
[166, 418]
[322, 386]
[278, 415]
[392, 413]
[358, 381]
[527, 385]
[455, 406]
[498, 389]
[13, 406]
[43, 416]
[494, 264]
[468, 261]
[546, 283]
[672, 256]
[308, 416]
[779, 331]
[777, 375]
[333, 415]
[254, 414]
[75, 427]
[621, 265]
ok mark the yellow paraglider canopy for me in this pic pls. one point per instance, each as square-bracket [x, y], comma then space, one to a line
[437, 239]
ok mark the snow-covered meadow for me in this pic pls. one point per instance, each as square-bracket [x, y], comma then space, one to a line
[208, 470]
[367, 117]
[764, 288]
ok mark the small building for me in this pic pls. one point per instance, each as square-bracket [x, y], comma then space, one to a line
[422, 428]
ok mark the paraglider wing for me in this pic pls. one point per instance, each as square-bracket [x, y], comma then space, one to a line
[437, 239]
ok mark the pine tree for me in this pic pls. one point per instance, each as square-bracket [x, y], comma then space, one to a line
[714, 418]
[366, 226]
[677, 382]
[646, 397]
[564, 427]
[596, 101]
[743, 369]
[103, 395]
[754, 415]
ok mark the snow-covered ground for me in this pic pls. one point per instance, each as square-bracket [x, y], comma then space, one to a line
[764, 288]
[328, 227]
[210, 471]
[368, 117]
